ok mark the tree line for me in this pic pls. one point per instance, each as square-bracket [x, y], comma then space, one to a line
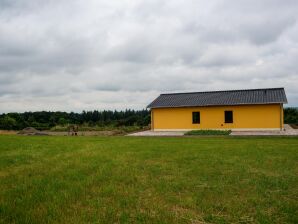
[45, 120]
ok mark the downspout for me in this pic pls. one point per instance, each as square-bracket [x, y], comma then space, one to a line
[281, 116]
[152, 121]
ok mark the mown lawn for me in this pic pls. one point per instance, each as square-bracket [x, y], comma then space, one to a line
[148, 180]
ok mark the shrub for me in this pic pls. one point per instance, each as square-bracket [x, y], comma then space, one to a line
[208, 132]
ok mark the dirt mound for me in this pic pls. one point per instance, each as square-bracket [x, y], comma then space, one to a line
[28, 130]
[31, 131]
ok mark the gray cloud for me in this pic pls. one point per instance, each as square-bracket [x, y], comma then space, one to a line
[73, 55]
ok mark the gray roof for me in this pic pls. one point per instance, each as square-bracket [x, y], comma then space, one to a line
[216, 98]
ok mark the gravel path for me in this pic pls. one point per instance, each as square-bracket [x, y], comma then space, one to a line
[158, 133]
[288, 131]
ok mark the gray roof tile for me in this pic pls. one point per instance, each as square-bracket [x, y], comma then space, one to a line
[216, 98]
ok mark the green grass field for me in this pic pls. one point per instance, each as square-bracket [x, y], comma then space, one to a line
[148, 180]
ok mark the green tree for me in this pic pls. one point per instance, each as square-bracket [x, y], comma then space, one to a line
[62, 121]
[8, 123]
[291, 115]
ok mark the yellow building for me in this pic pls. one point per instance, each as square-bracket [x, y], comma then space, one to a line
[254, 109]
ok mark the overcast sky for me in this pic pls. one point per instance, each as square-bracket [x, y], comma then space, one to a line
[75, 55]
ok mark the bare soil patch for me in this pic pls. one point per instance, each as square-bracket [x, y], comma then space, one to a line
[6, 132]
[86, 133]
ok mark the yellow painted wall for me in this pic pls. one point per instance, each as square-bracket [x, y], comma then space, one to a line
[244, 117]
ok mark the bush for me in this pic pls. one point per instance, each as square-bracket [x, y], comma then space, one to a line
[208, 132]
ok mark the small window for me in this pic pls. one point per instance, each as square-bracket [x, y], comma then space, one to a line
[195, 117]
[228, 116]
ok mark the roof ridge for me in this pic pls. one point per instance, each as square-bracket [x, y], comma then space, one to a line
[218, 91]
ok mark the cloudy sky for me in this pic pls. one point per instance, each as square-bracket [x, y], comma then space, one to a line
[75, 55]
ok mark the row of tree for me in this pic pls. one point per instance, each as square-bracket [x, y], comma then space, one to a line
[45, 120]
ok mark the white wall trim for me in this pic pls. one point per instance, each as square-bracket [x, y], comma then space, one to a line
[223, 129]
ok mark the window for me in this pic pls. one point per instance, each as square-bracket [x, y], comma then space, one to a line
[195, 117]
[228, 116]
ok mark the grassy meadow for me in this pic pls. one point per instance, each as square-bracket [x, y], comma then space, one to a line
[58, 179]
